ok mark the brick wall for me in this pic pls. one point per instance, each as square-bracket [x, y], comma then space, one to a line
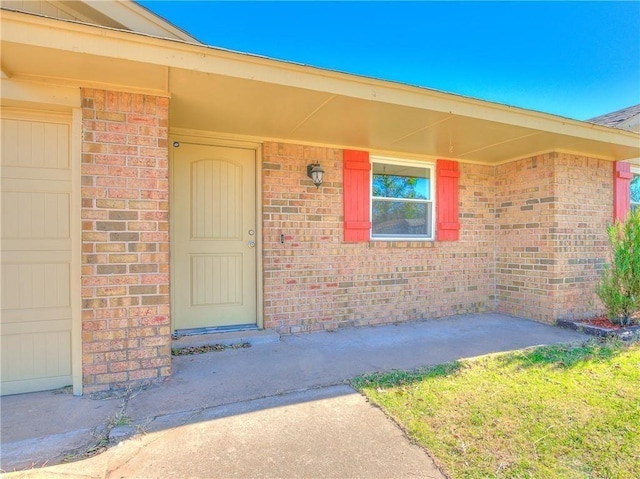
[525, 215]
[551, 216]
[532, 242]
[584, 192]
[315, 281]
[125, 252]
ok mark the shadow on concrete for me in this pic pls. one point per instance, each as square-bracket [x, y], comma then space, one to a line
[296, 372]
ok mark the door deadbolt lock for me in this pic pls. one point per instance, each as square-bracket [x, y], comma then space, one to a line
[251, 232]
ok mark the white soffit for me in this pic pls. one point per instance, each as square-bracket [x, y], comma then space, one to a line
[43, 64]
[237, 94]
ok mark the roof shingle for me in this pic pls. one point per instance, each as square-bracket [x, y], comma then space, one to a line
[623, 119]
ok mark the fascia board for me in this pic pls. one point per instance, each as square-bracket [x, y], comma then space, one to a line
[54, 95]
[139, 19]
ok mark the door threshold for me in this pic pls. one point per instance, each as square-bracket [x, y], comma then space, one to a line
[178, 333]
[225, 336]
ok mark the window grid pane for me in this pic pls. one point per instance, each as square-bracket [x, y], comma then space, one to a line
[392, 186]
[401, 218]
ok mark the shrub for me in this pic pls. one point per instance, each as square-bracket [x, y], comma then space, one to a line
[619, 287]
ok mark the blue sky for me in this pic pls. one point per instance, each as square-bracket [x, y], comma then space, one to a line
[573, 59]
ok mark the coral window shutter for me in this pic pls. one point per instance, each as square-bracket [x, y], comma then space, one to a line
[357, 188]
[621, 189]
[448, 224]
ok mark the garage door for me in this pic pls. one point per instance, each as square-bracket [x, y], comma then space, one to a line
[35, 248]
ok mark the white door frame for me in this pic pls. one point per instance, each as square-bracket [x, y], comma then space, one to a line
[210, 139]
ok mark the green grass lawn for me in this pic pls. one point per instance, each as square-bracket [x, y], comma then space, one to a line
[549, 412]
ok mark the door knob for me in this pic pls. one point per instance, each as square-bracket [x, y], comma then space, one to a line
[252, 244]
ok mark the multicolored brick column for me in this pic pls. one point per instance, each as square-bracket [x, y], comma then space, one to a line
[552, 212]
[126, 332]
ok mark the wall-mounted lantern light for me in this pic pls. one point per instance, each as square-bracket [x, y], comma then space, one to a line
[316, 173]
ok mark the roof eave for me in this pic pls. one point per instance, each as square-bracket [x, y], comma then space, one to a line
[172, 57]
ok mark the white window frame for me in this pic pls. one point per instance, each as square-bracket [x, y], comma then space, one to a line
[635, 172]
[431, 166]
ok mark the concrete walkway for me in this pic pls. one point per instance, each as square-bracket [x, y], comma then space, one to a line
[281, 409]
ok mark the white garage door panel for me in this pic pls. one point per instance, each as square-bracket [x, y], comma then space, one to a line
[35, 215]
[35, 144]
[35, 285]
[33, 385]
[34, 361]
[36, 253]
[36, 355]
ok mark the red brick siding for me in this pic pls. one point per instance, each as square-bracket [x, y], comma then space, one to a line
[126, 332]
[551, 217]
[316, 281]
[525, 214]
[584, 188]
[532, 242]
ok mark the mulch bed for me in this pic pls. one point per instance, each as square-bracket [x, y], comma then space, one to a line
[601, 322]
[601, 326]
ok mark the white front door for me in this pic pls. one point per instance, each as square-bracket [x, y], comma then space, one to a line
[213, 217]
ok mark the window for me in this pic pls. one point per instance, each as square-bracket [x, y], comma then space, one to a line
[431, 202]
[401, 199]
[634, 186]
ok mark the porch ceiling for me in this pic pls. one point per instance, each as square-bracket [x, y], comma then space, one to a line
[231, 93]
[266, 110]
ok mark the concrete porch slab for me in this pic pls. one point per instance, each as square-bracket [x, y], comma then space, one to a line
[226, 383]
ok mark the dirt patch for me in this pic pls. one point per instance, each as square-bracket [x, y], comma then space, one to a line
[207, 349]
